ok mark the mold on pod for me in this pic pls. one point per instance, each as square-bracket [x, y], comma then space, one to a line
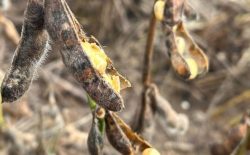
[72, 43]
[29, 52]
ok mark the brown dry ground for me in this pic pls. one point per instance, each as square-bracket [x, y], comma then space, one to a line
[53, 114]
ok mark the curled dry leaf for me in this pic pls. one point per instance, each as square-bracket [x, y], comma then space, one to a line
[116, 136]
[84, 57]
[173, 122]
[29, 53]
[188, 59]
[95, 138]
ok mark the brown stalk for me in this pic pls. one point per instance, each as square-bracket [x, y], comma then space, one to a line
[146, 77]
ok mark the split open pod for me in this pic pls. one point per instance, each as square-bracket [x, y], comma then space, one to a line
[187, 58]
[84, 56]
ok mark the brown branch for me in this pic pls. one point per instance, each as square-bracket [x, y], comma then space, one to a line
[146, 77]
[149, 52]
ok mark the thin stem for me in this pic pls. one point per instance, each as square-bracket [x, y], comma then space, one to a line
[149, 51]
[146, 76]
[91, 103]
[101, 123]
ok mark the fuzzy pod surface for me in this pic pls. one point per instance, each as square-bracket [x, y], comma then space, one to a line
[28, 54]
[64, 32]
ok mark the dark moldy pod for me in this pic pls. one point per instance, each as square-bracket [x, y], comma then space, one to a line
[64, 32]
[95, 138]
[116, 136]
[29, 51]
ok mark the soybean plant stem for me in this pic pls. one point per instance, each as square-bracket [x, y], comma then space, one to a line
[149, 51]
[146, 76]
[91, 103]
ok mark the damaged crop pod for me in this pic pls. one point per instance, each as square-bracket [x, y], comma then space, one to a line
[187, 58]
[95, 138]
[84, 56]
[28, 55]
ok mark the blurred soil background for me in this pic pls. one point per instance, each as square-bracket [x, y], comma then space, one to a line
[53, 117]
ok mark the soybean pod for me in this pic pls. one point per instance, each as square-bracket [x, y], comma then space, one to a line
[64, 32]
[28, 54]
[116, 136]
